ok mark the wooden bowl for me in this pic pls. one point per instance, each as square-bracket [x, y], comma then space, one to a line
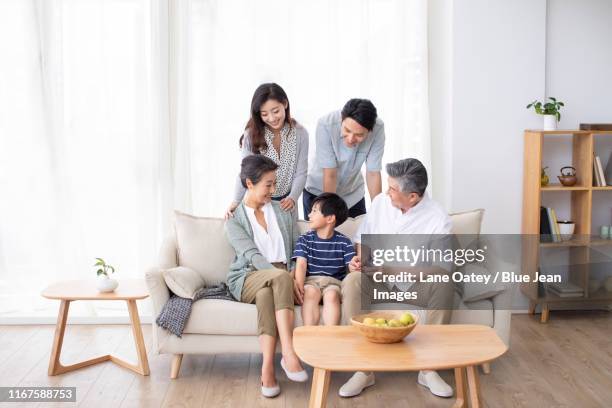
[384, 334]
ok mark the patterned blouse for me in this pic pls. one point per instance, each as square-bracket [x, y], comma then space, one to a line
[286, 159]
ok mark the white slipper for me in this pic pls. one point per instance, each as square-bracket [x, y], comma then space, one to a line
[356, 384]
[270, 392]
[435, 383]
[297, 376]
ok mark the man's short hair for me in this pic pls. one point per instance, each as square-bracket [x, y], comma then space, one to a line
[362, 111]
[410, 174]
[332, 204]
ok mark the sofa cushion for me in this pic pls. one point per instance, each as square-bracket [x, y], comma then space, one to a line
[202, 246]
[224, 317]
[215, 316]
[467, 222]
[183, 281]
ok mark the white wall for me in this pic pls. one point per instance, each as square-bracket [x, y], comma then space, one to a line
[497, 56]
[579, 59]
[498, 67]
[579, 72]
[488, 59]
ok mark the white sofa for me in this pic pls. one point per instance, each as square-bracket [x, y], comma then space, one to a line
[221, 326]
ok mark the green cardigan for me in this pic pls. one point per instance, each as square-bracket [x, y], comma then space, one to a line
[248, 258]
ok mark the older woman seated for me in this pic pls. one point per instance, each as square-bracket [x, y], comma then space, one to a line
[263, 237]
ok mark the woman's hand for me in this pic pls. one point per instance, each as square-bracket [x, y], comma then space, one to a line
[229, 213]
[355, 264]
[287, 203]
[298, 291]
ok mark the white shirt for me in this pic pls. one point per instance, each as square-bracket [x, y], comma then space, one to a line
[427, 217]
[270, 243]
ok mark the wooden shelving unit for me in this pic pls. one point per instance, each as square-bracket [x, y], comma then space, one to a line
[581, 201]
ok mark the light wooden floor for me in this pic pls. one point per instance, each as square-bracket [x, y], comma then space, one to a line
[565, 363]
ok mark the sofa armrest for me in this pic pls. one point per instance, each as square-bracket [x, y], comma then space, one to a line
[502, 312]
[158, 290]
[159, 294]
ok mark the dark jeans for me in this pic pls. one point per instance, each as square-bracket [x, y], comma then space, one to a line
[355, 211]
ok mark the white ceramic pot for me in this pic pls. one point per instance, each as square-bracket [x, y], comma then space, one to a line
[106, 284]
[566, 229]
[550, 122]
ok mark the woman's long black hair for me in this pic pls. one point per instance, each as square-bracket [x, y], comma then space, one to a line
[255, 125]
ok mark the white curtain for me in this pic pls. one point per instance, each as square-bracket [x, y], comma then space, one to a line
[80, 158]
[322, 52]
[114, 112]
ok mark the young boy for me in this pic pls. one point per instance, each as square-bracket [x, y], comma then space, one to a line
[322, 258]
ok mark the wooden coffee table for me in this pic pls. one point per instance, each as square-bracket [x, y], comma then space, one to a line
[428, 347]
[69, 291]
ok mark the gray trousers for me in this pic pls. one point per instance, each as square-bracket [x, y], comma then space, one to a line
[436, 298]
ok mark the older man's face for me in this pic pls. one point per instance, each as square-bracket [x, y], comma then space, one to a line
[402, 200]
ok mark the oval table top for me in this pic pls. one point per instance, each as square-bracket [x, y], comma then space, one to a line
[128, 289]
[428, 347]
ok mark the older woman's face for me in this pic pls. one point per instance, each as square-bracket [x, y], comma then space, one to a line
[263, 190]
[272, 113]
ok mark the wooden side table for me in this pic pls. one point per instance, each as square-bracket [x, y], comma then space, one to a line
[69, 291]
[429, 347]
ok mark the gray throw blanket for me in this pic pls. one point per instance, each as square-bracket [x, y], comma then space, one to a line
[176, 311]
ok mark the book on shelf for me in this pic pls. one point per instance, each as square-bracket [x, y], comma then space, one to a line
[555, 224]
[602, 176]
[549, 229]
[565, 290]
[596, 126]
[565, 295]
[596, 179]
[565, 287]
[609, 170]
[545, 232]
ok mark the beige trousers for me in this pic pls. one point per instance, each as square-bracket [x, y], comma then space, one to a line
[436, 298]
[270, 290]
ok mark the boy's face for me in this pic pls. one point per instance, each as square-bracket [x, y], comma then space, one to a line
[317, 219]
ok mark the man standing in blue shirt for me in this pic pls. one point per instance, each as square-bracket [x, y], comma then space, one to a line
[345, 140]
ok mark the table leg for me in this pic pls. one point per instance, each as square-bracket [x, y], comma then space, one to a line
[143, 362]
[58, 339]
[532, 307]
[55, 367]
[474, 385]
[320, 386]
[545, 312]
[461, 386]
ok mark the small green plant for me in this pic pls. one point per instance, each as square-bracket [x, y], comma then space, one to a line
[548, 108]
[105, 269]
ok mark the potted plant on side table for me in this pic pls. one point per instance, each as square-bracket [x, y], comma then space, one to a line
[105, 282]
[549, 110]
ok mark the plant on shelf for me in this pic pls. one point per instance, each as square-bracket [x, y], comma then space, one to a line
[549, 110]
[105, 282]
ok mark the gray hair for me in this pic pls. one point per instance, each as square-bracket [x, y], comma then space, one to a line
[411, 175]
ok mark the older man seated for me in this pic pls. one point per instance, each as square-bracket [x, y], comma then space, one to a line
[405, 209]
